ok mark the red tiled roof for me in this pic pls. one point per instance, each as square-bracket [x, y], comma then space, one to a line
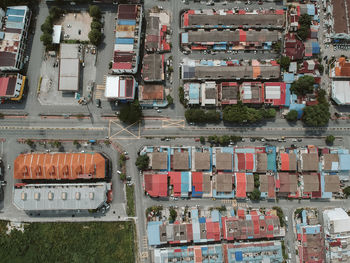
[156, 185]
[241, 185]
[249, 161]
[197, 181]
[241, 161]
[284, 161]
[175, 181]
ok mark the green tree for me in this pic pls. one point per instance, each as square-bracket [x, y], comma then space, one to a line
[183, 101]
[202, 139]
[316, 115]
[212, 116]
[142, 162]
[94, 11]
[122, 176]
[277, 46]
[285, 62]
[170, 99]
[346, 191]
[30, 142]
[240, 113]
[46, 39]
[269, 113]
[292, 115]
[195, 115]
[304, 85]
[173, 215]
[224, 140]
[255, 195]
[131, 112]
[96, 25]
[55, 12]
[47, 28]
[76, 143]
[305, 20]
[256, 181]
[107, 142]
[95, 37]
[56, 144]
[330, 139]
[303, 33]
[279, 214]
[321, 69]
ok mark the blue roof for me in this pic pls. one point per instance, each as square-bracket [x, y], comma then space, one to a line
[215, 216]
[194, 92]
[311, 230]
[127, 22]
[288, 77]
[310, 9]
[239, 256]
[271, 158]
[153, 233]
[2, 35]
[185, 177]
[16, 25]
[184, 38]
[287, 101]
[124, 41]
[15, 18]
[202, 220]
[18, 12]
[344, 160]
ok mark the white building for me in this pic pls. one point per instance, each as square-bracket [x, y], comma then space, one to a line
[69, 68]
[337, 235]
[120, 88]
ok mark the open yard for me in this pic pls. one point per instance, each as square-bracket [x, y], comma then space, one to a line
[69, 242]
[76, 26]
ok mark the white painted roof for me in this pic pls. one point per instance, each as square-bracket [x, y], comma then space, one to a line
[112, 87]
[56, 35]
[37, 197]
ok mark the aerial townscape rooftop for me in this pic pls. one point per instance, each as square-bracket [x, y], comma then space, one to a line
[175, 131]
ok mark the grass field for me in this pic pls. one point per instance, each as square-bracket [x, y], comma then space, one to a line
[130, 198]
[69, 242]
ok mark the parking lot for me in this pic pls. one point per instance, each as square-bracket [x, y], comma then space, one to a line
[49, 93]
[76, 26]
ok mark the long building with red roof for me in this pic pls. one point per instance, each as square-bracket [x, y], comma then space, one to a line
[60, 166]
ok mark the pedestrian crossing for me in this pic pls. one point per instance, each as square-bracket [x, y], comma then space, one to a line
[100, 92]
[233, 203]
[144, 252]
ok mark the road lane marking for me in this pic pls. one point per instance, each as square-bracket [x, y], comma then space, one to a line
[50, 128]
[122, 129]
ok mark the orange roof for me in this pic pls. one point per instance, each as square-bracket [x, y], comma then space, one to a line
[152, 92]
[58, 166]
[343, 68]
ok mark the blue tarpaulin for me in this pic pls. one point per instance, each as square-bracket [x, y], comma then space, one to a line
[127, 22]
[239, 256]
[15, 18]
[124, 41]
[184, 38]
[17, 12]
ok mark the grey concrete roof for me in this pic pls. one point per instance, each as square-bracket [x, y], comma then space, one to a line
[235, 20]
[226, 72]
[152, 69]
[38, 197]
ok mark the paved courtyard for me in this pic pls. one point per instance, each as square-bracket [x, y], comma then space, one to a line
[72, 23]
